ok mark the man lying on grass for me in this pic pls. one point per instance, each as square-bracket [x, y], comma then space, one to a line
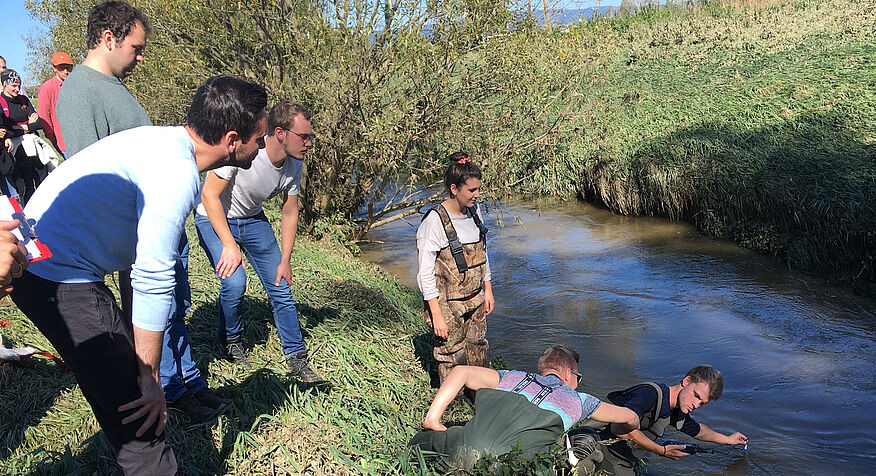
[120, 204]
[514, 407]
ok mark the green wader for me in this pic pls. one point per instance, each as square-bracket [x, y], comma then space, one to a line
[459, 276]
[501, 420]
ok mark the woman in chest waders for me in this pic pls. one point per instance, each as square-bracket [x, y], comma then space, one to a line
[454, 272]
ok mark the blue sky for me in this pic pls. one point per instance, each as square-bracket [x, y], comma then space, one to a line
[19, 23]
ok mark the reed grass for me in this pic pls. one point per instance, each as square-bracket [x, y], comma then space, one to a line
[754, 120]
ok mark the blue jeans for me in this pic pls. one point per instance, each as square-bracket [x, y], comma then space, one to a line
[177, 367]
[256, 238]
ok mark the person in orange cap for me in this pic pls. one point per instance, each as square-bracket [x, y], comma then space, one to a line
[62, 64]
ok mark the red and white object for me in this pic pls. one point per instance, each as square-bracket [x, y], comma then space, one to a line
[11, 210]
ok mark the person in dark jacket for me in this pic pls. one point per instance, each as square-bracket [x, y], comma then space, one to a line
[660, 406]
[19, 118]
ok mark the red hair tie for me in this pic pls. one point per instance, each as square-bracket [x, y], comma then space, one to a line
[463, 160]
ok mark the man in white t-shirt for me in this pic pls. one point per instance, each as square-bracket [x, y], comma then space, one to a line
[230, 219]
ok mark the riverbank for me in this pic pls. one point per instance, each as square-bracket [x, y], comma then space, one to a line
[756, 124]
[361, 327]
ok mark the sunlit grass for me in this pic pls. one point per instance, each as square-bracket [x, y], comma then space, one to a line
[360, 327]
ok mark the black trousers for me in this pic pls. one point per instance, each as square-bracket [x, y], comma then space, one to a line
[30, 173]
[89, 331]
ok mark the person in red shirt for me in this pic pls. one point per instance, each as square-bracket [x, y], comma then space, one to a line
[62, 64]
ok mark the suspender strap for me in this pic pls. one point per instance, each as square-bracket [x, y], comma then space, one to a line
[542, 394]
[456, 250]
[480, 224]
[523, 383]
[452, 238]
[655, 412]
[545, 391]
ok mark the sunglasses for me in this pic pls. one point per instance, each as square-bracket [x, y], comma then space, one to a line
[577, 375]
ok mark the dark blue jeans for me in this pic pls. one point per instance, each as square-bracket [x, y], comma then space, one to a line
[256, 238]
[177, 367]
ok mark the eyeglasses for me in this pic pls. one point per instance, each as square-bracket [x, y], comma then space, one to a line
[304, 137]
[577, 375]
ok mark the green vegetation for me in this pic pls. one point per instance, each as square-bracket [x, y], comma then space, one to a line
[757, 124]
[360, 326]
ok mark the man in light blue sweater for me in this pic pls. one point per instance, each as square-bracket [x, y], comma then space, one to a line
[122, 204]
[93, 104]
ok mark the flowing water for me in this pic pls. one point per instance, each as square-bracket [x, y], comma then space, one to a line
[646, 299]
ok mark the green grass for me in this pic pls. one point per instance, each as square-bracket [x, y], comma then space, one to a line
[362, 328]
[757, 125]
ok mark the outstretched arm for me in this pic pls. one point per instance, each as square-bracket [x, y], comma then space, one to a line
[708, 434]
[622, 418]
[642, 441]
[467, 376]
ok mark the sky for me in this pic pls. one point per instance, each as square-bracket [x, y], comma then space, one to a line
[19, 23]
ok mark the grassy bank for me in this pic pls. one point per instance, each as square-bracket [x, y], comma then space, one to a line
[361, 327]
[757, 125]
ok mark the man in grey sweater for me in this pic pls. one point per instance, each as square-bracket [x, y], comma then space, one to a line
[94, 103]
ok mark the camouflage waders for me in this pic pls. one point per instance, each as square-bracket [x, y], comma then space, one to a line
[461, 298]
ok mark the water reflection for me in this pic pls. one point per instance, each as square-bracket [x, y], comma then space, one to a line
[646, 299]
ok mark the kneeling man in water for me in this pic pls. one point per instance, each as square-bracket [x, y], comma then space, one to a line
[659, 406]
[513, 406]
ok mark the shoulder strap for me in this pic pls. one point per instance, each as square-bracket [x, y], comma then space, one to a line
[542, 394]
[654, 413]
[452, 237]
[480, 224]
[523, 383]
